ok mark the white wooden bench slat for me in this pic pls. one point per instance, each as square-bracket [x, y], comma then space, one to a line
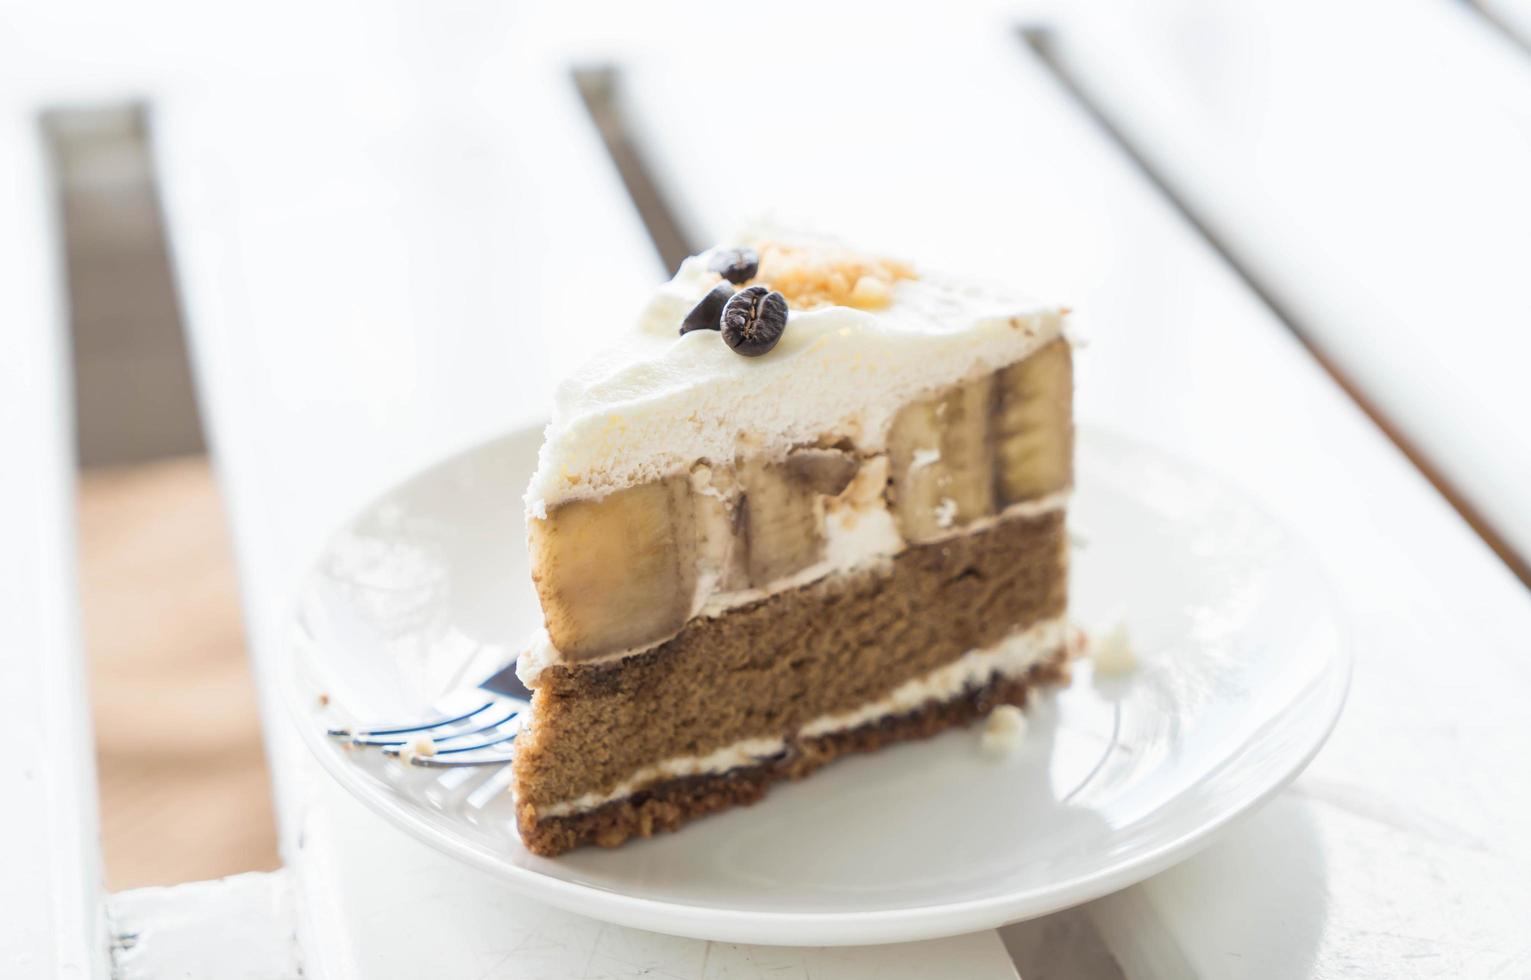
[1403, 838]
[236, 928]
[1383, 200]
[442, 919]
[51, 919]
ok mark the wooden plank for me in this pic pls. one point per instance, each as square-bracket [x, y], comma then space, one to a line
[1372, 176]
[155, 549]
[1403, 839]
[50, 890]
[410, 283]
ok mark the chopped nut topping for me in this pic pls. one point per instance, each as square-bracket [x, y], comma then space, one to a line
[811, 276]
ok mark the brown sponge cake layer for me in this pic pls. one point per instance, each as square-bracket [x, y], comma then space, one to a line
[665, 806]
[766, 669]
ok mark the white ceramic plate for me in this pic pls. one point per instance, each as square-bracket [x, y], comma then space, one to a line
[1243, 672]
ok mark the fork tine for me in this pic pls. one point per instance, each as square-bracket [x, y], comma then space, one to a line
[355, 734]
[447, 757]
[387, 740]
[507, 737]
[494, 758]
[514, 713]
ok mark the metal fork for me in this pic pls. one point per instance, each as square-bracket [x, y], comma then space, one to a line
[476, 727]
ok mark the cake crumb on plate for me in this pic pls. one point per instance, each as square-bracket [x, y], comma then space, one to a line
[1004, 731]
[1112, 652]
[420, 746]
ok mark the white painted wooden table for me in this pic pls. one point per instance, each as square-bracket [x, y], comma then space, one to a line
[385, 263]
[1368, 163]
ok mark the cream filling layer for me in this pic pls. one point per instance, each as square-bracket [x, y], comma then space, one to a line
[855, 540]
[1011, 657]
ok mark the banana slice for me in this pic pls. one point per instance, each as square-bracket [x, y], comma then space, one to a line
[825, 471]
[967, 455]
[940, 454]
[1034, 425]
[783, 525]
[782, 509]
[617, 572]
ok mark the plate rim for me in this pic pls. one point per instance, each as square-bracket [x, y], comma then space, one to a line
[838, 928]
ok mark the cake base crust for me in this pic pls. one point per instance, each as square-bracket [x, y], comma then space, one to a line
[667, 805]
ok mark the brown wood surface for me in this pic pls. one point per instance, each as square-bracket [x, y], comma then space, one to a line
[184, 788]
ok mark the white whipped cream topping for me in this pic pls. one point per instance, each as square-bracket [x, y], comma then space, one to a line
[655, 402]
[1011, 657]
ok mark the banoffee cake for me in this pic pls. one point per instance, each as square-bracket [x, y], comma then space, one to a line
[812, 505]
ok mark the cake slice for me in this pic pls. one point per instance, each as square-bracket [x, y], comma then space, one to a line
[812, 505]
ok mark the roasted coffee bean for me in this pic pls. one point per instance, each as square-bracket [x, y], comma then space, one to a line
[737, 265]
[708, 314]
[753, 320]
